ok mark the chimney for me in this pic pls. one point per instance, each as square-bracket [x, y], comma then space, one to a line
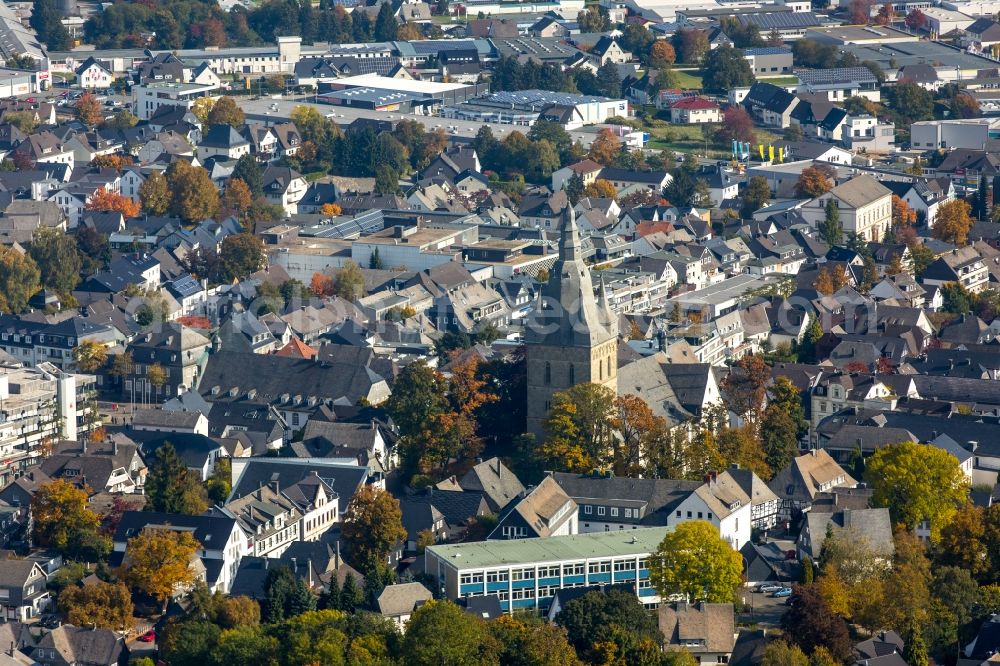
[337, 557]
[114, 446]
[309, 569]
[499, 468]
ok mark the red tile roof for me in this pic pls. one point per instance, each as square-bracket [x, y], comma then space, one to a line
[694, 103]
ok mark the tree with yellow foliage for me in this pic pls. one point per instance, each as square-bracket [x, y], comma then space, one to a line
[63, 521]
[158, 562]
[601, 189]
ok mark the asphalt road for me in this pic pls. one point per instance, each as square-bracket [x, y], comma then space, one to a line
[766, 609]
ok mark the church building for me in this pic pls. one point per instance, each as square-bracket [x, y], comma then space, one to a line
[571, 337]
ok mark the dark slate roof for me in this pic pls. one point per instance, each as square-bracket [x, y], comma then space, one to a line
[208, 530]
[272, 376]
[457, 507]
[344, 479]
[193, 449]
[767, 21]
[223, 136]
[658, 497]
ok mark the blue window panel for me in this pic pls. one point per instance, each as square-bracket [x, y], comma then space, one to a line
[599, 578]
[624, 575]
[496, 586]
[524, 603]
[574, 579]
[549, 581]
[472, 587]
[648, 592]
[523, 583]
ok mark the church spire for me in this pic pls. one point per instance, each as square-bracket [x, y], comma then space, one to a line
[570, 246]
[607, 316]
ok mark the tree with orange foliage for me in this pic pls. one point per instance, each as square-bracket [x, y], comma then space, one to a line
[321, 285]
[902, 215]
[103, 200]
[605, 147]
[885, 14]
[88, 110]
[662, 55]
[237, 197]
[953, 221]
[813, 182]
[118, 162]
[330, 210]
[824, 282]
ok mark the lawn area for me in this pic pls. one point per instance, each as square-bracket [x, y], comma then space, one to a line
[688, 80]
[781, 80]
[691, 139]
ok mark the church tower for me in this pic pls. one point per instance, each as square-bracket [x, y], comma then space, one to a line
[571, 337]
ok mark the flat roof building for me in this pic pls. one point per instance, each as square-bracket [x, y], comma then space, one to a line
[526, 573]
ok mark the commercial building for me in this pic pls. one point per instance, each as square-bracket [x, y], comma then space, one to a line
[769, 60]
[151, 96]
[418, 96]
[15, 82]
[524, 107]
[526, 573]
[971, 133]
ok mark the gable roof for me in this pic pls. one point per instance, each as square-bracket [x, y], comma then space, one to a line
[860, 191]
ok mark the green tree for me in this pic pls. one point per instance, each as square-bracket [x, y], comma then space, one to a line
[611, 617]
[386, 24]
[285, 595]
[695, 561]
[89, 356]
[46, 20]
[726, 68]
[220, 483]
[831, 229]
[417, 400]
[19, 280]
[248, 170]
[911, 102]
[246, 645]
[783, 424]
[386, 180]
[914, 646]
[917, 482]
[349, 282]
[57, 259]
[171, 487]
[372, 528]
[609, 81]
[956, 298]
[154, 194]
[440, 633]
[241, 255]
[756, 195]
[93, 248]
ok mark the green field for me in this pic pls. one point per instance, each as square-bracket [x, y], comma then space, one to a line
[688, 80]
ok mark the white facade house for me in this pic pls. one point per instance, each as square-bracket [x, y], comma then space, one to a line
[721, 502]
[92, 75]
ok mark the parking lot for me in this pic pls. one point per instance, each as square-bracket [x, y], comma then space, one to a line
[766, 610]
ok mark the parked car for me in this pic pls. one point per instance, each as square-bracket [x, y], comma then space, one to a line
[148, 637]
[783, 592]
[768, 587]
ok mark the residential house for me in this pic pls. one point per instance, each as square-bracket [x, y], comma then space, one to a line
[770, 105]
[963, 265]
[806, 476]
[23, 590]
[705, 631]
[222, 542]
[397, 602]
[609, 50]
[722, 502]
[179, 351]
[67, 645]
[694, 110]
[93, 75]
[494, 480]
[223, 141]
[542, 511]
[872, 527]
[285, 187]
[609, 503]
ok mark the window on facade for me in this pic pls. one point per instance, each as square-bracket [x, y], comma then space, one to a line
[548, 372]
[587, 509]
[572, 374]
[614, 511]
[600, 511]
